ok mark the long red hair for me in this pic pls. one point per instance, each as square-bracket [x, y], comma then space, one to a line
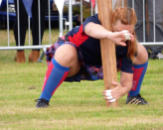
[127, 16]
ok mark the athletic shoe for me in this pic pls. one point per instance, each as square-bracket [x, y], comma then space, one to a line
[136, 100]
[42, 103]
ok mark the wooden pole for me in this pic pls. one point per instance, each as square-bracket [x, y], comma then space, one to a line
[107, 47]
[121, 3]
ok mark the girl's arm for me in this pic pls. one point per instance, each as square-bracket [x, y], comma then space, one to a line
[99, 32]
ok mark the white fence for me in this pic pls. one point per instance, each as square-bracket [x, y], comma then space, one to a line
[150, 20]
[70, 4]
[62, 22]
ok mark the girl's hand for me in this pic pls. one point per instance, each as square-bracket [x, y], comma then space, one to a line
[119, 38]
[111, 95]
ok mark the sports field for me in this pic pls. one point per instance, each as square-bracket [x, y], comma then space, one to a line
[75, 106]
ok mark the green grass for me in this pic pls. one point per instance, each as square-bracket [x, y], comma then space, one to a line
[75, 106]
[4, 37]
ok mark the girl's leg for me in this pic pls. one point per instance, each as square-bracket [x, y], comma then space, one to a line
[65, 63]
[139, 68]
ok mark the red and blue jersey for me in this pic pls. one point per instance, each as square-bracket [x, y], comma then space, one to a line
[90, 47]
[78, 36]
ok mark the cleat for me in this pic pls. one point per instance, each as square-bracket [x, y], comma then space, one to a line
[136, 100]
[42, 103]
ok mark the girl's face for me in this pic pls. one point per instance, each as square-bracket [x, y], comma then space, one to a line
[119, 26]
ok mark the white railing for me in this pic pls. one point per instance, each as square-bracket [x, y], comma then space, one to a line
[70, 3]
[68, 22]
[141, 5]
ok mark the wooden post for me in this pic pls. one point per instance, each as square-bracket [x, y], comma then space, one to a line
[121, 3]
[107, 46]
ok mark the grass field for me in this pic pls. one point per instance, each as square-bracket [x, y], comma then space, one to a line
[75, 106]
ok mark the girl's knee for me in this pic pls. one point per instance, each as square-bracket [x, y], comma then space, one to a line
[66, 55]
[142, 55]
